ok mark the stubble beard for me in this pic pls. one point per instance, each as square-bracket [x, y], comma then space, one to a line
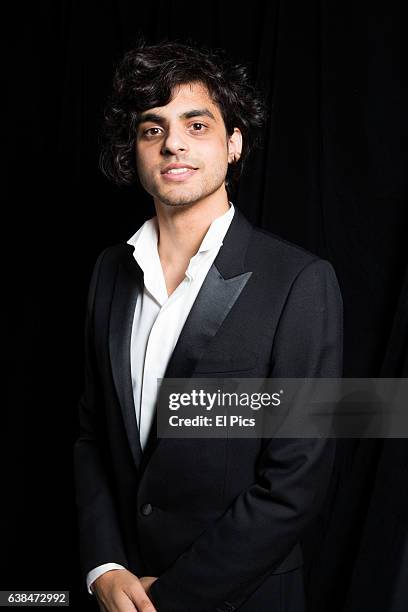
[182, 196]
[178, 200]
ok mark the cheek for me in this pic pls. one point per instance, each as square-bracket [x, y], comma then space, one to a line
[143, 162]
[216, 153]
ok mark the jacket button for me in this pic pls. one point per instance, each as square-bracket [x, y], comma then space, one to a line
[146, 509]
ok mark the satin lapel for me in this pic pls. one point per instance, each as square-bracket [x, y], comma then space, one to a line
[214, 301]
[127, 289]
[221, 288]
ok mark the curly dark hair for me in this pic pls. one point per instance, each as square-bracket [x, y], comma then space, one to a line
[145, 78]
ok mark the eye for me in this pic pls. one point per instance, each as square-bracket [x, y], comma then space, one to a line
[198, 127]
[153, 131]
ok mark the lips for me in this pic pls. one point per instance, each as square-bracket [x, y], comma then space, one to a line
[177, 169]
[178, 172]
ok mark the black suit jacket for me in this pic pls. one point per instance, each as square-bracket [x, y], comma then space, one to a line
[214, 519]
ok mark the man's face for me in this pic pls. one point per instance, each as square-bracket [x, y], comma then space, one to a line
[183, 149]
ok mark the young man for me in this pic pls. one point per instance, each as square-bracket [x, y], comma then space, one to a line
[181, 525]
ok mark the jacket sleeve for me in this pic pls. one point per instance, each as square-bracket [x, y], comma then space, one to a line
[232, 557]
[99, 533]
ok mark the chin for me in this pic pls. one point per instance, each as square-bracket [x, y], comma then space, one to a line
[180, 199]
[174, 203]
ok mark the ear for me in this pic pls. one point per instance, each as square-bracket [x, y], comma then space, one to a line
[234, 146]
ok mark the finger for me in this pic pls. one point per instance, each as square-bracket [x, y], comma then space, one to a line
[141, 600]
[118, 603]
[123, 603]
[145, 605]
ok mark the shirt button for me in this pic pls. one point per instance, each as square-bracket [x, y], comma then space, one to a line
[146, 509]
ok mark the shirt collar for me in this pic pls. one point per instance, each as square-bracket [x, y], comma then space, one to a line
[216, 232]
[213, 239]
[146, 254]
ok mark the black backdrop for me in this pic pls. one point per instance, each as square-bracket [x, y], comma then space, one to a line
[331, 177]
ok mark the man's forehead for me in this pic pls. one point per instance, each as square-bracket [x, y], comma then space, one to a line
[187, 97]
[194, 88]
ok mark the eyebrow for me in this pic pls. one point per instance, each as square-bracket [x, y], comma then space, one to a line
[197, 112]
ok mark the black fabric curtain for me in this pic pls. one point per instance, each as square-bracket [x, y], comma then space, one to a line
[330, 176]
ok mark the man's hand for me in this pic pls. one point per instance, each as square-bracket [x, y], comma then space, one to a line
[121, 591]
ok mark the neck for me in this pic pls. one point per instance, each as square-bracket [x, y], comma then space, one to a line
[182, 228]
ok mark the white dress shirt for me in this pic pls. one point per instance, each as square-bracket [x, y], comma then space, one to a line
[158, 321]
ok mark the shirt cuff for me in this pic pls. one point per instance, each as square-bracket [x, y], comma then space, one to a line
[98, 571]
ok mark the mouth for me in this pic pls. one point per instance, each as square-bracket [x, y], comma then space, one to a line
[178, 172]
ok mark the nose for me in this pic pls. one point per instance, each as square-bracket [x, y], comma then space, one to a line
[175, 142]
